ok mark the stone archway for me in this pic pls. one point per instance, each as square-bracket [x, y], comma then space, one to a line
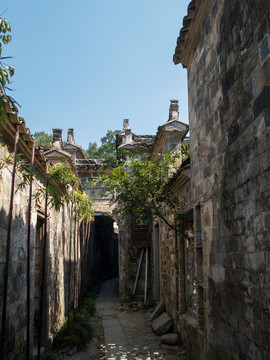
[104, 247]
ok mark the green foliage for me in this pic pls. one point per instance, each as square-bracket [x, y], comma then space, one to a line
[107, 150]
[43, 139]
[84, 205]
[60, 179]
[93, 151]
[80, 330]
[138, 185]
[149, 303]
[141, 188]
[87, 308]
[6, 71]
[185, 151]
[5, 160]
[78, 334]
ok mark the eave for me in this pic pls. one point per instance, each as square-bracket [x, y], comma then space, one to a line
[173, 127]
[9, 124]
[189, 32]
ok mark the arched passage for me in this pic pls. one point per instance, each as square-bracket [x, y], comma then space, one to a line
[103, 248]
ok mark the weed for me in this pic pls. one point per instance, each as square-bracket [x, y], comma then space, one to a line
[78, 334]
[149, 303]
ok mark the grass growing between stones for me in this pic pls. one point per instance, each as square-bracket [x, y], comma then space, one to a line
[79, 331]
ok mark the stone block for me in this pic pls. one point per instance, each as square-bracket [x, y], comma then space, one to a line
[261, 101]
[267, 221]
[264, 47]
[159, 309]
[170, 339]
[162, 324]
[261, 77]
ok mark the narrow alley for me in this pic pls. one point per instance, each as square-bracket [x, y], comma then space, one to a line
[123, 334]
[158, 239]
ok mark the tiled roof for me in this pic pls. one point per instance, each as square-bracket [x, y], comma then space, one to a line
[184, 32]
[144, 140]
[89, 163]
[9, 122]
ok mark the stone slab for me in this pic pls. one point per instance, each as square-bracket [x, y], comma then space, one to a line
[161, 325]
[159, 309]
[114, 334]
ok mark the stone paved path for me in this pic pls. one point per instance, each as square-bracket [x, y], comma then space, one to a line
[128, 335]
[123, 335]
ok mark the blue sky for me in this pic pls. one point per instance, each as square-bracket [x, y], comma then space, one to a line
[89, 64]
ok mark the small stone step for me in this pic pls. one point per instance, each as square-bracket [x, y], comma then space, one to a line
[162, 324]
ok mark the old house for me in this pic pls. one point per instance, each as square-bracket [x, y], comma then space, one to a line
[145, 261]
[37, 241]
[225, 46]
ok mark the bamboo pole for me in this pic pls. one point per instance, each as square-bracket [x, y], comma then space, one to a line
[138, 271]
[5, 287]
[28, 306]
[77, 271]
[43, 275]
[74, 264]
[69, 257]
[146, 275]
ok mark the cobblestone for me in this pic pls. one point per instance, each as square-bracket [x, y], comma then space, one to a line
[131, 331]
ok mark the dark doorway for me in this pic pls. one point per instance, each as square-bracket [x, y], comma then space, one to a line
[103, 248]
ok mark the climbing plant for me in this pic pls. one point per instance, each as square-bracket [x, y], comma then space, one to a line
[84, 205]
[5, 158]
[60, 180]
[142, 190]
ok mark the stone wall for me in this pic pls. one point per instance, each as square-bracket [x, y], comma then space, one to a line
[176, 257]
[229, 93]
[56, 290]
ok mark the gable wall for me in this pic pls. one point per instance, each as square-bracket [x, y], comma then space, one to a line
[229, 92]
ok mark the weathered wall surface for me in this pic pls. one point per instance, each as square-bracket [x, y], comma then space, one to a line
[229, 93]
[56, 264]
[174, 248]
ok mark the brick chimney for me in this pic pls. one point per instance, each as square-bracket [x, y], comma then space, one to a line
[57, 138]
[70, 136]
[126, 124]
[174, 110]
[128, 136]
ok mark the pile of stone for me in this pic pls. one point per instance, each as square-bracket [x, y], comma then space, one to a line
[129, 307]
[161, 324]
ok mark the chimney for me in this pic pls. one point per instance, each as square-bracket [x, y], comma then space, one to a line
[70, 136]
[174, 110]
[126, 124]
[57, 138]
[128, 136]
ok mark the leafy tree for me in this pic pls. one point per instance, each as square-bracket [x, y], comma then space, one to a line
[107, 150]
[142, 190]
[6, 71]
[43, 139]
[93, 151]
